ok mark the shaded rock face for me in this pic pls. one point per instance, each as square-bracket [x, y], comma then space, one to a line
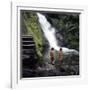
[70, 65]
[60, 39]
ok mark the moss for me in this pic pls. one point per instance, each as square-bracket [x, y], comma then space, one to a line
[31, 23]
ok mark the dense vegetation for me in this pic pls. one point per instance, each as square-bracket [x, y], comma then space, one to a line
[67, 25]
[29, 20]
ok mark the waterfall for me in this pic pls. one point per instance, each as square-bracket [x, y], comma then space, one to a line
[49, 33]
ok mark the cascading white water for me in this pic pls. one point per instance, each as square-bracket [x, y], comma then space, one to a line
[49, 33]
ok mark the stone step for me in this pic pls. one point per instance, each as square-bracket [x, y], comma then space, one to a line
[28, 52]
[27, 56]
[28, 49]
[28, 46]
[27, 35]
[28, 42]
[27, 38]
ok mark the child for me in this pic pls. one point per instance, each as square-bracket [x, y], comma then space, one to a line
[52, 55]
[60, 55]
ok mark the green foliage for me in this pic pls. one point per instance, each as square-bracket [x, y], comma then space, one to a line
[67, 24]
[32, 27]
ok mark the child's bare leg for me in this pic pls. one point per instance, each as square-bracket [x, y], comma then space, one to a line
[52, 59]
